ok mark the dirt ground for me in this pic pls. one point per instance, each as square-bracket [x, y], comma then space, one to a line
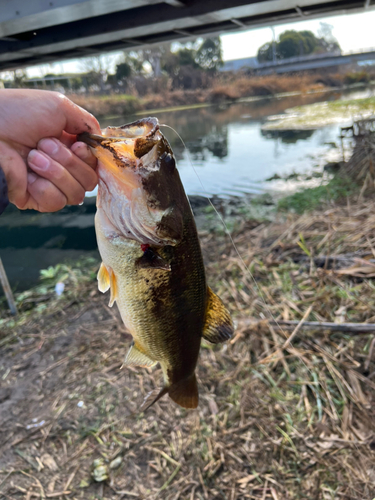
[275, 421]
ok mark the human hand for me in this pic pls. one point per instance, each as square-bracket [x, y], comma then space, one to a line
[44, 167]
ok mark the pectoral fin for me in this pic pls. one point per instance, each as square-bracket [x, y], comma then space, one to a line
[137, 358]
[219, 325]
[103, 279]
[107, 279]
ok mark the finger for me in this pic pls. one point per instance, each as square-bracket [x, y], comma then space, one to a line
[44, 195]
[78, 120]
[52, 171]
[14, 168]
[83, 152]
[67, 139]
[77, 168]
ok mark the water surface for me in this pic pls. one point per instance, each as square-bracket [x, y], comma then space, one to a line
[230, 153]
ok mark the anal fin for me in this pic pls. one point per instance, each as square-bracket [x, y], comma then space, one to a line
[218, 325]
[135, 357]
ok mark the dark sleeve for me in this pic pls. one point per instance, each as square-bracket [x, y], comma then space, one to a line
[4, 201]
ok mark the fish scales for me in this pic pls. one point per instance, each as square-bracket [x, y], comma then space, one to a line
[152, 261]
[155, 304]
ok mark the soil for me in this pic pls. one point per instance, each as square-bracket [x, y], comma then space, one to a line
[273, 422]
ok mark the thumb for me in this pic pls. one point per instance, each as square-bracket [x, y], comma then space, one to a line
[78, 120]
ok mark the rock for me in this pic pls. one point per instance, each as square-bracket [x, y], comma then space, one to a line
[333, 166]
[115, 464]
[100, 471]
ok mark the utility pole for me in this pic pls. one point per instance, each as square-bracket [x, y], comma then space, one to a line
[7, 290]
[273, 45]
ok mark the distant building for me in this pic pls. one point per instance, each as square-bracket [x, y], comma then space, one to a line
[238, 64]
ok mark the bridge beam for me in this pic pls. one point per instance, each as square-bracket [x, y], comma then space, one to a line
[36, 32]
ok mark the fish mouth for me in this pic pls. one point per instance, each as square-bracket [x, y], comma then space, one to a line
[146, 128]
[124, 146]
[130, 190]
[96, 141]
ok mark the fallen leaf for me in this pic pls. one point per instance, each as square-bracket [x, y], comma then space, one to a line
[49, 462]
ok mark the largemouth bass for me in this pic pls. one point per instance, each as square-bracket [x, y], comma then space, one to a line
[152, 261]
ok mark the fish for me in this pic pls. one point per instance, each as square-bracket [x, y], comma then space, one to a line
[151, 257]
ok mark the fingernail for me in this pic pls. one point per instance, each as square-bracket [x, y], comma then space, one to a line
[81, 150]
[31, 178]
[49, 146]
[38, 160]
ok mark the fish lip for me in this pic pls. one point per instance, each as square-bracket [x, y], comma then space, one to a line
[92, 140]
[95, 140]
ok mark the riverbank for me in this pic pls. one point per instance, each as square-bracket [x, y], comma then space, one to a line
[313, 116]
[277, 418]
[227, 89]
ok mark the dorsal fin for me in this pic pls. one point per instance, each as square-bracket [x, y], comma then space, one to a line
[218, 325]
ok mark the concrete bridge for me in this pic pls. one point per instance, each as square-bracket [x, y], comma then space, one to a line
[315, 62]
[43, 31]
[300, 63]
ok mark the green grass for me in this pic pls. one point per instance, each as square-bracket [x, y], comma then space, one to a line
[118, 97]
[312, 116]
[338, 188]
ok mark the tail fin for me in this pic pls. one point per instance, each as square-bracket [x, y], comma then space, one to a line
[185, 392]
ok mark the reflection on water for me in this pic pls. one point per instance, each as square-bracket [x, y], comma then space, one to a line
[287, 136]
[231, 153]
[229, 150]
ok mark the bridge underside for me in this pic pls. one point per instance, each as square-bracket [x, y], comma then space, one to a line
[44, 31]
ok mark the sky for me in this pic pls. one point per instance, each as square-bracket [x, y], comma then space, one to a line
[354, 32]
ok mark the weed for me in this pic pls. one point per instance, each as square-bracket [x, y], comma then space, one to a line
[337, 189]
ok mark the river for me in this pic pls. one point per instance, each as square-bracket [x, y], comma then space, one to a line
[227, 154]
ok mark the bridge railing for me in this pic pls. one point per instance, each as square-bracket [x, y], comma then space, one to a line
[312, 57]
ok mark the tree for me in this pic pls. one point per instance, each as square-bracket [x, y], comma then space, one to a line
[328, 40]
[209, 54]
[97, 69]
[265, 52]
[19, 77]
[293, 43]
[123, 71]
[296, 43]
[135, 60]
[187, 57]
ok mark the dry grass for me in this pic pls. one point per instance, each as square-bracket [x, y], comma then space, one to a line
[273, 423]
[108, 105]
[235, 88]
[226, 88]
